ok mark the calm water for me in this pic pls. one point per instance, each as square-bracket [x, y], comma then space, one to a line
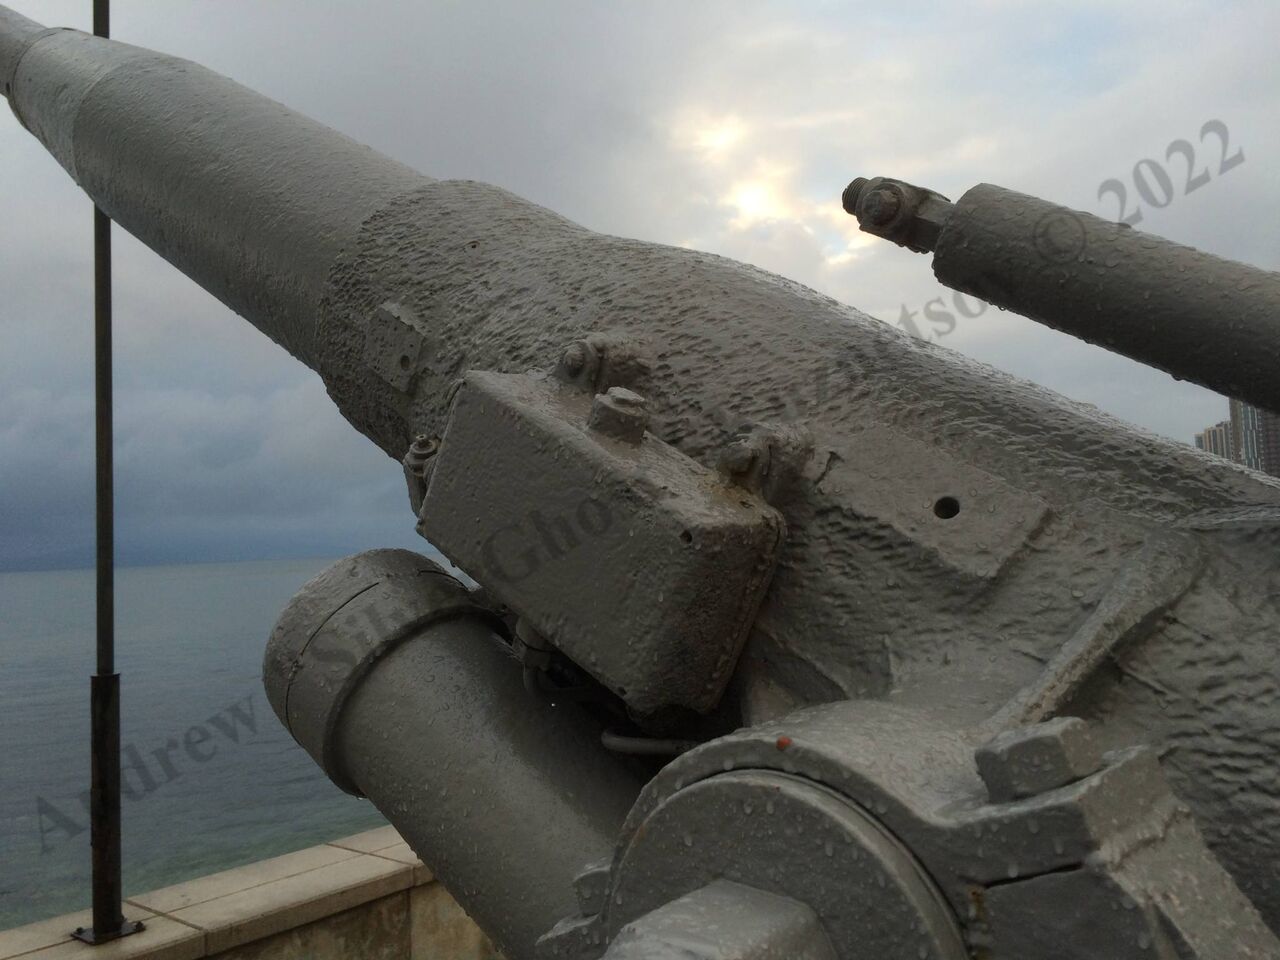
[216, 781]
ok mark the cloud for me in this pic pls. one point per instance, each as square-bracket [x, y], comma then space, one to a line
[727, 126]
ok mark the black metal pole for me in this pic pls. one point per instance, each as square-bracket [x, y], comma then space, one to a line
[104, 687]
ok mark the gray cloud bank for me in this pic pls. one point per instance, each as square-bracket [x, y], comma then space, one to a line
[731, 127]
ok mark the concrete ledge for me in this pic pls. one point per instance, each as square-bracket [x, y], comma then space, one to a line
[366, 895]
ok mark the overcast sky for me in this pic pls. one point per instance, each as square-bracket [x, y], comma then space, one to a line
[726, 126]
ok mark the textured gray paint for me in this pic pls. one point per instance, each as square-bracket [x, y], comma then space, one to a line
[310, 235]
[823, 805]
[859, 606]
[16, 35]
[795, 839]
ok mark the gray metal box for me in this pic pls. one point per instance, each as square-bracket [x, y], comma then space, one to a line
[638, 563]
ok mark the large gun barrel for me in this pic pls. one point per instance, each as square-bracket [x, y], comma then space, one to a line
[954, 665]
[248, 198]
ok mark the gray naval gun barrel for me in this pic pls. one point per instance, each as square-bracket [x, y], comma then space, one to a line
[1202, 318]
[251, 200]
[961, 561]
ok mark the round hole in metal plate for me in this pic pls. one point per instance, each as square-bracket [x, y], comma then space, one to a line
[946, 508]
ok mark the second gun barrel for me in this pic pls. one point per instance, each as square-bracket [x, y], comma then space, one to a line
[1201, 318]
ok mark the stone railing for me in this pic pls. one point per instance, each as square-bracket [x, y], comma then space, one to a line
[366, 896]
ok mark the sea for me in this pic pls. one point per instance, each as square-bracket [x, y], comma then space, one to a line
[211, 779]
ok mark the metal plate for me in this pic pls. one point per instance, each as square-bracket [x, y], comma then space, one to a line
[638, 563]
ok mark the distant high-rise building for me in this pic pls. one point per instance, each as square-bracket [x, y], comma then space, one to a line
[1269, 442]
[1217, 440]
[1246, 434]
[1250, 437]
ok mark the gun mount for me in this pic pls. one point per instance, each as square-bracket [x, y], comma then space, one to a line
[793, 636]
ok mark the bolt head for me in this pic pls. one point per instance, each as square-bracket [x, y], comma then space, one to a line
[881, 206]
[623, 397]
[620, 414]
[739, 456]
[1025, 762]
[574, 358]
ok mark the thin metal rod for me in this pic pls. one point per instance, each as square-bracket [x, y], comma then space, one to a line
[103, 425]
[104, 687]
